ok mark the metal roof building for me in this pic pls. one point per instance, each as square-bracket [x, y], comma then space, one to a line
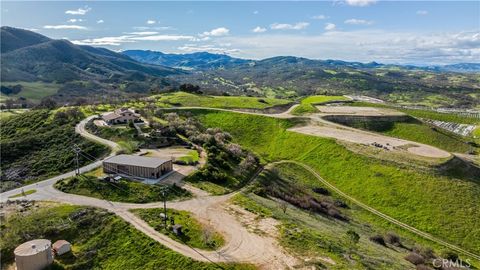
[137, 166]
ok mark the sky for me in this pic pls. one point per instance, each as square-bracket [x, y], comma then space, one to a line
[402, 32]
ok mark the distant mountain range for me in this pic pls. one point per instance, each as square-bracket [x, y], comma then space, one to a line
[85, 71]
[205, 60]
[28, 56]
[198, 60]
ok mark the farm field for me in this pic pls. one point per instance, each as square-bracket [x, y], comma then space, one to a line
[406, 194]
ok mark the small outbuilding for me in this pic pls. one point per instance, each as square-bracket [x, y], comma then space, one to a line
[61, 247]
[138, 166]
[34, 255]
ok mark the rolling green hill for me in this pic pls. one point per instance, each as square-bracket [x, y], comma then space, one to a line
[438, 204]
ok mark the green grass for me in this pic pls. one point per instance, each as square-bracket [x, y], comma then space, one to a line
[313, 237]
[423, 133]
[443, 206]
[100, 240]
[4, 114]
[413, 130]
[28, 192]
[33, 91]
[191, 157]
[37, 144]
[183, 99]
[124, 191]
[194, 234]
[307, 105]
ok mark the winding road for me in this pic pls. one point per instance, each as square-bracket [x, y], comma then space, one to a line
[241, 245]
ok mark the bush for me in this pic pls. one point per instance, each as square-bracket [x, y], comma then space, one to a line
[378, 239]
[415, 258]
[393, 239]
[321, 190]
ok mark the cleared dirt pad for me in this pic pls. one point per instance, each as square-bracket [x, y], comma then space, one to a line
[369, 138]
[349, 110]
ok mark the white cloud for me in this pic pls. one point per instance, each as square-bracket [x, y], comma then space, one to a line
[144, 33]
[259, 29]
[159, 28]
[207, 48]
[100, 21]
[130, 38]
[151, 21]
[319, 17]
[217, 32]
[365, 46]
[65, 26]
[422, 12]
[360, 3]
[255, 12]
[358, 22]
[103, 41]
[162, 38]
[330, 26]
[75, 20]
[286, 26]
[80, 11]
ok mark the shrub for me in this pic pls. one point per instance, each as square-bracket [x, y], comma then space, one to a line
[321, 190]
[378, 239]
[415, 258]
[393, 239]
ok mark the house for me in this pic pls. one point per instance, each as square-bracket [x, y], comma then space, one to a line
[137, 166]
[121, 116]
[61, 247]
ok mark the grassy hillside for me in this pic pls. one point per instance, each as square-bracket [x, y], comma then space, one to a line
[440, 205]
[100, 241]
[321, 236]
[195, 234]
[423, 133]
[38, 143]
[32, 91]
[307, 104]
[413, 130]
[235, 102]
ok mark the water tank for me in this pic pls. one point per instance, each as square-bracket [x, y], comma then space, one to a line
[34, 255]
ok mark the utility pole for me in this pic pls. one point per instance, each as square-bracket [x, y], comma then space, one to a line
[164, 207]
[77, 150]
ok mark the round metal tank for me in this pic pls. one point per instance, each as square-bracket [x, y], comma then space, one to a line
[34, 255]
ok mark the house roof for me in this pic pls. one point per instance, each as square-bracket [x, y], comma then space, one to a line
[110, 116]
[60, 243]
[149, 162]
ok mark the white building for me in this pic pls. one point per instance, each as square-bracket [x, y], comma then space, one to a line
[61, 247]
[121, 116]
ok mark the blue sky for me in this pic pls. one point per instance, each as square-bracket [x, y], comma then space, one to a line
[428, 32]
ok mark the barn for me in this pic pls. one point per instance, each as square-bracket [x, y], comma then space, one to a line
[137, 166]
